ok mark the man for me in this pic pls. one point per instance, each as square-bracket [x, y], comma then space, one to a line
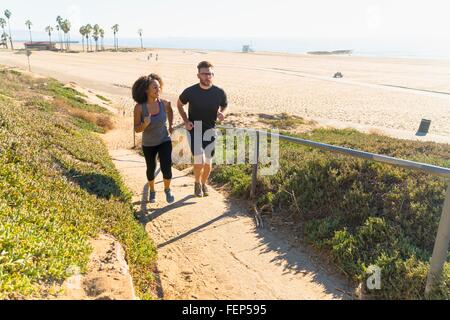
[207, 103]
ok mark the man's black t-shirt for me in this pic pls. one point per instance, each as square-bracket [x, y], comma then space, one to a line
[204, 104]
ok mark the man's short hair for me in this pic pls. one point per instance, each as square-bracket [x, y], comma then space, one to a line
[204, 64]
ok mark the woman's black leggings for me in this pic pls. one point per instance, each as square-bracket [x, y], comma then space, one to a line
[164, 150]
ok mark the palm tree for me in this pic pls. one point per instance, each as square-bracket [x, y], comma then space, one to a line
[115, 29]
[59, 20]
[4, 39]
[96, 35]
[102, 35]
[29, 24]
[88, 29]
[83, 34]
[4, 34]
[8, 15]
[140, 34]
[49, 30]
[66, 29]
[59, 35]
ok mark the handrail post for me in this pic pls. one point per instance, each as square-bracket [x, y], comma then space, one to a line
[255, 168]
[440, 246]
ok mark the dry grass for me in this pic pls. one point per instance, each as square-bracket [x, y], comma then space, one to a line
[101, 120]
[377, 132]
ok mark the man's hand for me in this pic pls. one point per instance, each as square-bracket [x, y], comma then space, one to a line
[220, 116]
[188, 125]
[170, 129]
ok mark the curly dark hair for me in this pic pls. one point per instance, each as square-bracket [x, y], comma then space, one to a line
[140, 87]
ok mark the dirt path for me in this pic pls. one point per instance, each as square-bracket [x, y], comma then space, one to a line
[209, 248]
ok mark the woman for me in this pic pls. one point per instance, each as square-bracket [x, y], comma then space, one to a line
[150, 116]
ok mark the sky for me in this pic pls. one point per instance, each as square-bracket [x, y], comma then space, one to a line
[242, 18]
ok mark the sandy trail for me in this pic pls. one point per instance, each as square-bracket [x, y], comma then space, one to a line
[209, 248]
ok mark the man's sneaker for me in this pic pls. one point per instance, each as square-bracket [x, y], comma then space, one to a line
[152, 197]
[197, 189]
[205, 190]
[169, 196]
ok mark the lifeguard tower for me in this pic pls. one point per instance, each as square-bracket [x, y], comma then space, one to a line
[246, 48]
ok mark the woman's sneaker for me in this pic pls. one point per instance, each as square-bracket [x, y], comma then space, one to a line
[152, 197]
[169, 196]
[197, 189]
[205, 190]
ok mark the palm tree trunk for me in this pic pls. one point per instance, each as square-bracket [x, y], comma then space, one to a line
[6, 40]
[142, 47]
[31, 39]
[5, 44]
[10, 36]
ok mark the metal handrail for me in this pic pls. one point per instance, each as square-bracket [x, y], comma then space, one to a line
[435, 170]
[442, 241]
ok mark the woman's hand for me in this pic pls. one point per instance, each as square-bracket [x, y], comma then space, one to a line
[170, 129]
[147, 120]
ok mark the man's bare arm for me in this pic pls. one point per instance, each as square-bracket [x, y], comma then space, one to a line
[223, 109]
[187, 124]
[180, 106]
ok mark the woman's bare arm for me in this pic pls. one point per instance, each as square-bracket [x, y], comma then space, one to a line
[138, 125]
[169, 112]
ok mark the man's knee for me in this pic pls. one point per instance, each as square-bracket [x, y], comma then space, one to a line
[208, 162]
[199, 159]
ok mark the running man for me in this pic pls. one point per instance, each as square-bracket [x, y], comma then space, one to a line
[207, 103]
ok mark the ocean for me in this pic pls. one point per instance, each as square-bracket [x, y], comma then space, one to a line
[377, 47]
